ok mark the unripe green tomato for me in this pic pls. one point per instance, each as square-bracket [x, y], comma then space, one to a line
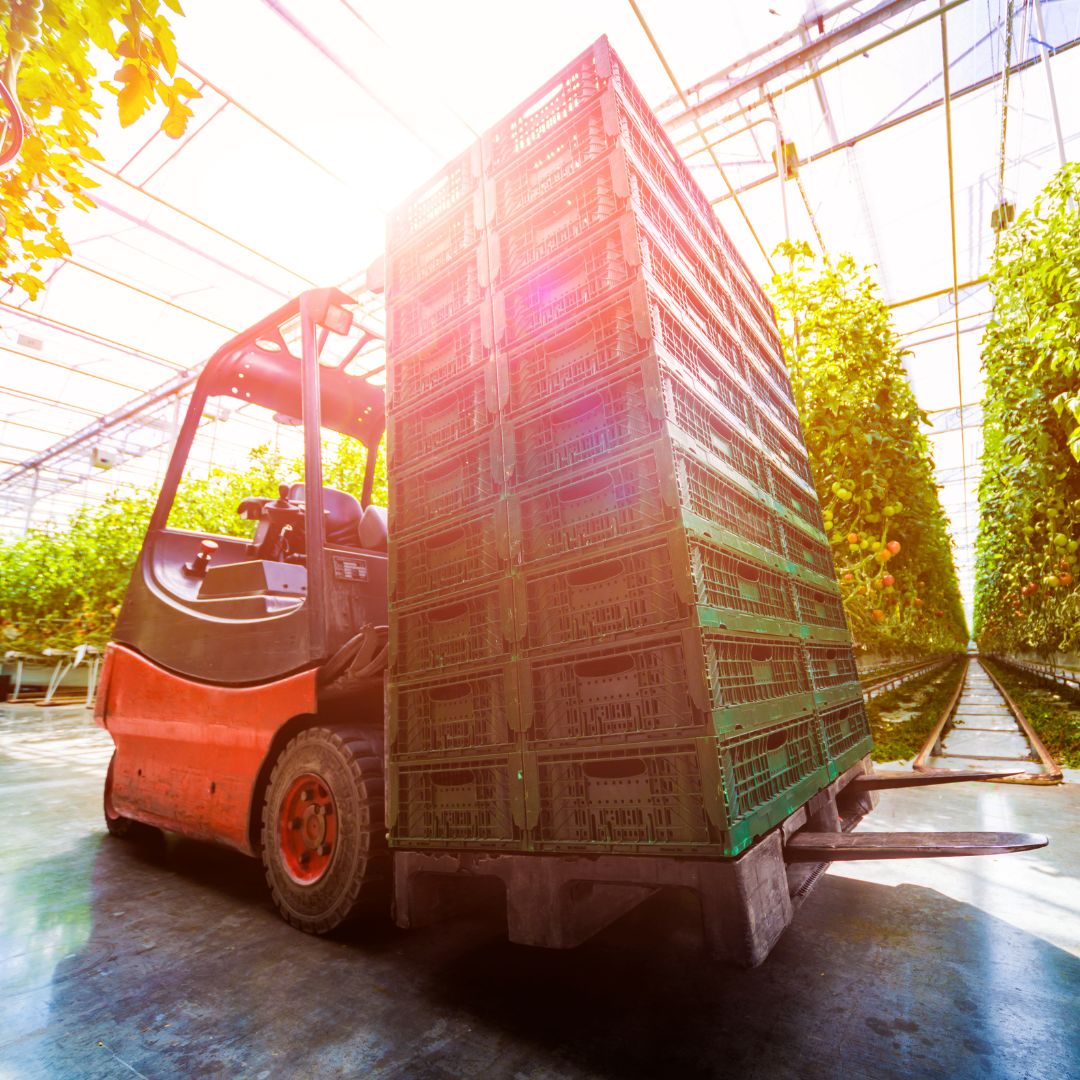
[890, 511]
[844, 494]
[864, 545]
[1029, 530]
[853, 548]
[1072, 546]
[1060, 540]
[875, 545]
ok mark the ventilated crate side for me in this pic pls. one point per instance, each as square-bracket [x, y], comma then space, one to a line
[794, 496]
[474, 709]
[454, 555]
[579, 206]
[553, 104]
[607, 339]
[574, 146]
[549, 299]
[708, 428]
[602, 596]
[768, 398]
[719, 375]
[708, 494]
[769, 773]
[813, 554]
[591, 426]
[632, 798]
[780, 446]
[847, 732]
[474, 628]
[450, 186]
[704, 317]
[412, 265]
[592, 506]
[452, 295]
[633, 690]
[652, 172]
[766, 354]
[467, 802]
[743, 670]
[831, 666]
[734, 583]
[659, 140]
[664, 230]
[462, 483]
[442, 422]
[466, 347]
[819, 607]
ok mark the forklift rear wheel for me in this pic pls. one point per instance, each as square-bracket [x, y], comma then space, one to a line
[123, 827]
[323, 840]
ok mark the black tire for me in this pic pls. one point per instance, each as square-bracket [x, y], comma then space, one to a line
[124, 828]
[355, 873]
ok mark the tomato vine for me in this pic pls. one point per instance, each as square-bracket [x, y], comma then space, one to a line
[871, 460]
[1027, 595]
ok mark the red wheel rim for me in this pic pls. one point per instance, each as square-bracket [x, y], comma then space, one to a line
[307, 828]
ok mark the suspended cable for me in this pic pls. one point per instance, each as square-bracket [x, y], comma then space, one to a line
[346, 70]
[716, 161]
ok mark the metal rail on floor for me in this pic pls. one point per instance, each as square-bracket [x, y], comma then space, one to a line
[1063, 676]
[1051, 771]
[874, 683]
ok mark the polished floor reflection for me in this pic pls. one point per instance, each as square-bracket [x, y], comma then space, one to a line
[169, 961]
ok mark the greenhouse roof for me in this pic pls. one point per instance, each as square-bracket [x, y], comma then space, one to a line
[315, 118]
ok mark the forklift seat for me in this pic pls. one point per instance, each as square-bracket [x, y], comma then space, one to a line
[373, 528]
[343, 514]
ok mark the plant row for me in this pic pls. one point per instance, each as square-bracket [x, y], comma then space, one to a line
[871, 459]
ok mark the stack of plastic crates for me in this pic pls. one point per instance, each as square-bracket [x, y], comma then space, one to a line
[652, 652]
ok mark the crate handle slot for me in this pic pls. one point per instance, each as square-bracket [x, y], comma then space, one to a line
[761, 652]
[598, 669]
[577, 409]
[748, 572]
[451, 536]
[454, 692]
[454, 779]
[585, 489]
[776, 739]
[613, 770]
[448, 613]
[593, 575]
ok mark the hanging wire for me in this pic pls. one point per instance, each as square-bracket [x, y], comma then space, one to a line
[697, 124]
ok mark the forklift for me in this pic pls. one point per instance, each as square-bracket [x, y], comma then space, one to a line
[244, 686]
[244, 693]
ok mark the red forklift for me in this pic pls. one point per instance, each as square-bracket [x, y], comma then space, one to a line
[244, 690]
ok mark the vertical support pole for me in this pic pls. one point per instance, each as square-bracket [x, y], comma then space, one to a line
[31, 501]
[314, 526]
[1045, 60]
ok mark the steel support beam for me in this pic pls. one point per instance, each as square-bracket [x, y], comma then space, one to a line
[799, 58]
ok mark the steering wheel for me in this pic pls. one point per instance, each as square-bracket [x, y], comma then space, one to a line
[280, 532]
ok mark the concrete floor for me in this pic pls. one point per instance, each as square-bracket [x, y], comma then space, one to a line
[984, 733]
[170, 962]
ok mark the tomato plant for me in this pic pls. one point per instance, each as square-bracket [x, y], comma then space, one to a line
[871, 460]
[56, 82]
[1028, 550]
